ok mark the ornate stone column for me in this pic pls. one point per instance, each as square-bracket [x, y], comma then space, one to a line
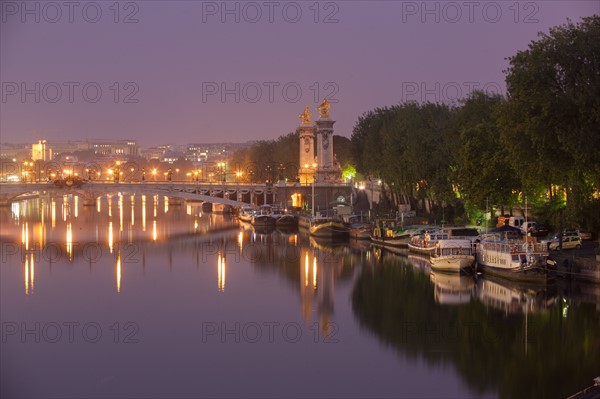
[327, 170]
[306, 135]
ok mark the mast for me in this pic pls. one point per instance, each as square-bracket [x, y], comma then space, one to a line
[313, 199]
[487, 204]
[527, 248]
[526, 226]
[526, 211]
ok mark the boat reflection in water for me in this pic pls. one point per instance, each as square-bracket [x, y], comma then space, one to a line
[511, 297]
[452, 289]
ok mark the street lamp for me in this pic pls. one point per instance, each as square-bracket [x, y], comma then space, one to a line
[269, 176]
[305, 174]
[117, 171]
[222, 167]
[281, 172]
[154, 173]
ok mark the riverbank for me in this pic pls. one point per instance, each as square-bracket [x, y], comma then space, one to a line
[579, 264]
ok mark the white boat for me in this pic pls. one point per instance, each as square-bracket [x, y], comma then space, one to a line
[513, 259]
[246, 213]
[327, 227]
[425, 243]
[452, 255]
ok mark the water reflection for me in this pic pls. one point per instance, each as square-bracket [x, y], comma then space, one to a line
[452, 289]
[29, 273]
[118, 271]
[500, 338]
[509, 297]
[221, 272]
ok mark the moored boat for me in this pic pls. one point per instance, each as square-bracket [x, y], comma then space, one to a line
[425, 243]
[327, 228]
[513, 259]
[246, 213]
[452, 255]
[277, 213]
[263, 217]
[390, 236]
[263, 220]
[357, 229]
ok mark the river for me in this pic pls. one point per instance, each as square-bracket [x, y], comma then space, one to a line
[134, 297]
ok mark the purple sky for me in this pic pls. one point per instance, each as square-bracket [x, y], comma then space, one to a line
[179, 53]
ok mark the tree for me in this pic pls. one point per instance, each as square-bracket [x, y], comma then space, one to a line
[552, 115]
[342, 146]
[485, 170]
[550, 121]
[411, 148]
[366, 140]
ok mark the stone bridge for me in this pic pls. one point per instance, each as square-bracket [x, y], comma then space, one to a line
[230, 194]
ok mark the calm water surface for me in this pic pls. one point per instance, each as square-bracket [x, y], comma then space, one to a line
[134, 297]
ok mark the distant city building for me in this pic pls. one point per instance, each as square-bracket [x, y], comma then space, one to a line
[202, 152]
[153, 153]
[111, 148]
[60, 147]
[41, 152]
[171, 156]
[15, 151]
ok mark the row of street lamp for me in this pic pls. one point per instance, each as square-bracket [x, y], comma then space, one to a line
[116, 173]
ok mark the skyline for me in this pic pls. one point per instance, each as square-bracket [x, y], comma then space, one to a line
[181, 75]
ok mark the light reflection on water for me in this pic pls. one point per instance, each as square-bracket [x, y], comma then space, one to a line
[190, 272]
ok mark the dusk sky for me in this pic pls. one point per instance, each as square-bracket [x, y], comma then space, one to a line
[162, 77]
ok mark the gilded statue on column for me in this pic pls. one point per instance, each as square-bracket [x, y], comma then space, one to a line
[305, 116]
[324, 109]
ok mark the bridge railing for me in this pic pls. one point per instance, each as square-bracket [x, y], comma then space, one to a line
[178, 183]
